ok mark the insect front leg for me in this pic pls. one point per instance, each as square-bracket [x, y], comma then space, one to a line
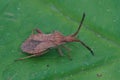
[37, 30]
[68, 49]
[60, 51]
[58, 47]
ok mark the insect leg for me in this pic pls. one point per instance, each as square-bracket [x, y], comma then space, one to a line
[60, 51]
[38, 31]
[31, 56]
[26, 57]
[68, 49]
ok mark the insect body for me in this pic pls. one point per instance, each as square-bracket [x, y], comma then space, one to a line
[38, 44]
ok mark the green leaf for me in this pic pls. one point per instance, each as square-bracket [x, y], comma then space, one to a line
[100, 31]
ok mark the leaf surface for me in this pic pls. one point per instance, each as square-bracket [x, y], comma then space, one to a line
[100, 31]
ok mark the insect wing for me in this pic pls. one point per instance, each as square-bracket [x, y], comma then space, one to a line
[33, 46]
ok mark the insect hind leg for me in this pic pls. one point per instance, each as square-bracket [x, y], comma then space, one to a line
[26, 57]
[30, 56]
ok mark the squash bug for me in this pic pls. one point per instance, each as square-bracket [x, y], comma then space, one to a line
[38, 44]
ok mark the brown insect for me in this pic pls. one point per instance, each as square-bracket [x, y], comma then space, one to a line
[38, 44]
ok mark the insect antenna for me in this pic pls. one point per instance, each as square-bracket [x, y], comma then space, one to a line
[81, 22]
[86, 46]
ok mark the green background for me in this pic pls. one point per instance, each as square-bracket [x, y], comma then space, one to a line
[100, 31]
